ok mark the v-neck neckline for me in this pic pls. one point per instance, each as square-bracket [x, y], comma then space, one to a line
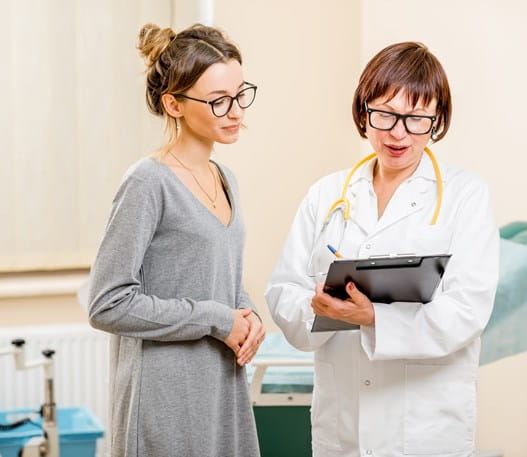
[199, 203]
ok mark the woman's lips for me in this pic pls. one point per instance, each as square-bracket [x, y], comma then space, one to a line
[232, 128]
[396, 150]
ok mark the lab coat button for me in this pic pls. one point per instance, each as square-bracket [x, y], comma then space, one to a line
[413, 204]
[369, 452]
[367, 382]
[368, 246]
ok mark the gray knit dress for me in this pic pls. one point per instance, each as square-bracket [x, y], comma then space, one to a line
[165, 281]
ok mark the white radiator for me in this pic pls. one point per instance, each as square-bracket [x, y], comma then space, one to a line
[81, 369]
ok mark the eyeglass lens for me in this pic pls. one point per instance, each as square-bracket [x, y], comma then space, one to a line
[222, 105]
[385, 121]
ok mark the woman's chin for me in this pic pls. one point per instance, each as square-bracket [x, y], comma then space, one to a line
[227, 139]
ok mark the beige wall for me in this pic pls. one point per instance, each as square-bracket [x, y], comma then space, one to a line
[41, 298]
[502, 408]
[44, 310]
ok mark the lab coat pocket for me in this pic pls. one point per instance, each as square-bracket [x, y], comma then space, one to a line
[325, 408]
[440, 409]
[430, 239]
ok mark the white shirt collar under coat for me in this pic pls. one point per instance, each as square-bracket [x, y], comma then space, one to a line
[410, 198]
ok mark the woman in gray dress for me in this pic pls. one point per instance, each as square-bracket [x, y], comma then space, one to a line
[166, 282]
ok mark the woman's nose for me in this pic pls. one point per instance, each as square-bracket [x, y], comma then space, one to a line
[235, 112]
[399, 129]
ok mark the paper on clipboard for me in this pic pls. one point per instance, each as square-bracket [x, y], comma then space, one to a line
[383, 280]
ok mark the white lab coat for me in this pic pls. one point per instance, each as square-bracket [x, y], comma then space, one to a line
[407, 386]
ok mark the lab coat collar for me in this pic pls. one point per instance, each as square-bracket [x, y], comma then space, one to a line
[360, 189]
[410, 198]
[424, 170]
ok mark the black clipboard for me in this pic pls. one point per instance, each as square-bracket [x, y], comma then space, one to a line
[383, 280]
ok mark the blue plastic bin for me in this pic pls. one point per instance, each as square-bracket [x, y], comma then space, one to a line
[78, 432]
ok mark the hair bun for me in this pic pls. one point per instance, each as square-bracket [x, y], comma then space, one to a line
[153, 40]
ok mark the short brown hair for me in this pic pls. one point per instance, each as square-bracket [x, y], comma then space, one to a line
[176, 61]
[407, 66]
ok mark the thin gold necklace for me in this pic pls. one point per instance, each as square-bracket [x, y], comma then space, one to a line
[212, 200]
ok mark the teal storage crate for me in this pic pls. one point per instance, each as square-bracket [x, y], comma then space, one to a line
[78, 432]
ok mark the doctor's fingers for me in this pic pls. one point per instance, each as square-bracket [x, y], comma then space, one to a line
[332, 307]
[322, 296]
[323, 299]
[321, 307]
[356, 296]
[319, 289]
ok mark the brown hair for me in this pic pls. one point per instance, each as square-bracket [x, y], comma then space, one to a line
[176, 61]
[407, 66]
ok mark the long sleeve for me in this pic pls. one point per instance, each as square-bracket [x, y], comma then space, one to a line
[119, 303]
[290, 289]
[461, 308]
[245, 302]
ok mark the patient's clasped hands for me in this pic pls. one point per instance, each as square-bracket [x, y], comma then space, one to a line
[246, 335]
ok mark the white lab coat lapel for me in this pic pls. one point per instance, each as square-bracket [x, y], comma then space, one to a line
[363, 199]
[410, 197]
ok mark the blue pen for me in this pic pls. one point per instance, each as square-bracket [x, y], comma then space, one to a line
[336, 253]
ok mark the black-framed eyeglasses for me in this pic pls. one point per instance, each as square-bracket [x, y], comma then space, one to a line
[386, 120]
[222, 105]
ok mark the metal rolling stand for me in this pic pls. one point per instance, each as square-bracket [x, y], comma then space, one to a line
[48, 444]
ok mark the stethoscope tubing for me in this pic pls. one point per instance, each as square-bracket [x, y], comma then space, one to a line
[344, 204]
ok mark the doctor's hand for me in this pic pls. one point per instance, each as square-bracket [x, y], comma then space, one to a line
[240, 330]
[253, 341]
[358, 309]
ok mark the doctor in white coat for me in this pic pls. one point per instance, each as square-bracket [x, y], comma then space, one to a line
[405, 383]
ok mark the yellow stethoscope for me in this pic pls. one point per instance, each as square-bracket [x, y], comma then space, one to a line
[344, 206]
[343, 202]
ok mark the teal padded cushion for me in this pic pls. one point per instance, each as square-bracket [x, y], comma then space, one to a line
[520, 237]
[512, 228]
[505, 333]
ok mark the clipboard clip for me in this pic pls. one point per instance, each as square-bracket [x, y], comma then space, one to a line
[390, 261]
[393, 254]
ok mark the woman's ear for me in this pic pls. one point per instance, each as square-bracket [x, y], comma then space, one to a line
[433, 134]
[172, 105]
